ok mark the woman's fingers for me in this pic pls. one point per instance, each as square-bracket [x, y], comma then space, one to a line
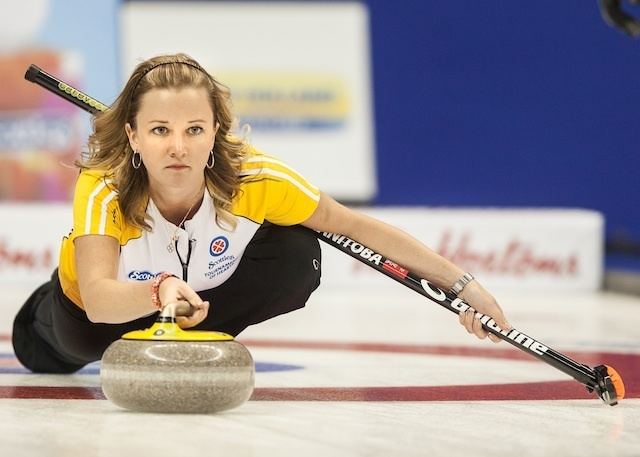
[485, 303]
[466, 319]
[185, 322]
[498, 316]
[471, 322]
[183, 308]
[188, 321]
[174, 289]
[191, 296]
[477, 328]
[198, 315]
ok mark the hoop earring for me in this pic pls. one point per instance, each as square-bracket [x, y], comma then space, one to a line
[212, 160]
[134, 163]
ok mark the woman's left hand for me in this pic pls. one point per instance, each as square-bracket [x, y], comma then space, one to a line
[483, 302]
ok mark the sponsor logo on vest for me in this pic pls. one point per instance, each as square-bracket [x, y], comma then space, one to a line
[355, 247]
[141, 275]
[220, 265]
[218, 246]
[460, 306]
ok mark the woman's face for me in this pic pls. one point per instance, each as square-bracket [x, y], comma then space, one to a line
[175, 131]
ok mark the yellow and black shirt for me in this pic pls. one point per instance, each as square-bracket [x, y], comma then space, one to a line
[272, 192]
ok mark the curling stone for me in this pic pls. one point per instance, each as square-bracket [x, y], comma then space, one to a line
[165, 369]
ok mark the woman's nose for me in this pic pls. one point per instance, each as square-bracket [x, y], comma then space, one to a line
[177, 145]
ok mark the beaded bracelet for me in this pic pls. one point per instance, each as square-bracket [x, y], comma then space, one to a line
[155, 288]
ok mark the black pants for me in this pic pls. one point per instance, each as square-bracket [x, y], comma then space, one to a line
[277, 273]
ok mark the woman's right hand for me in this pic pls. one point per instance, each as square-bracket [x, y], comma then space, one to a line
[197, 315]
[482, 302]
[175, 290]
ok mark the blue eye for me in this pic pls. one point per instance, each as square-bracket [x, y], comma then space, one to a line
[195, 130]
[159, 130]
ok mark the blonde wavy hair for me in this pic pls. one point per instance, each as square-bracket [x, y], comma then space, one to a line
[109, 148]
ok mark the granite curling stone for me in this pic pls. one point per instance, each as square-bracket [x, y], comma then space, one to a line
[165, 369]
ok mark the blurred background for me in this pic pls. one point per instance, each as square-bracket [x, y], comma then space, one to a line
[466, 105]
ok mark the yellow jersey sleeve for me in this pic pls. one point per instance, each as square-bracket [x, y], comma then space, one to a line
[273, 191]
[96, 210]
